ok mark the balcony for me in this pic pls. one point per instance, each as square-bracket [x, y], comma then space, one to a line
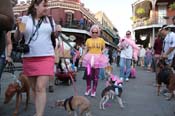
[146, 22]
[75, 25]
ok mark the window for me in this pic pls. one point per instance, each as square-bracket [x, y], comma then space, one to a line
[69, 18]
[162, 12]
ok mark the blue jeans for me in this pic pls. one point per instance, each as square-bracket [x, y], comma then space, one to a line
[2, 65]
[125, 67]
[101, 73]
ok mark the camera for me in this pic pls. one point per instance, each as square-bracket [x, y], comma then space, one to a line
[23, 48]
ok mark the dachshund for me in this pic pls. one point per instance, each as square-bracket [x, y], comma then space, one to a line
[77, 104]
[21, 85]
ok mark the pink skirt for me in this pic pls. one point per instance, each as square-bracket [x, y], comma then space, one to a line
[95, 60]
[38, 66]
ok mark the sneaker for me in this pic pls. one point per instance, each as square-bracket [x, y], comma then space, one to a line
[87, 92]
[127, 79]
[93, 94]
[121, 78]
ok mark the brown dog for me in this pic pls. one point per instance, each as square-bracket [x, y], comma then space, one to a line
[77, 104]
[165, 75]
[171, 86]
[22, 85]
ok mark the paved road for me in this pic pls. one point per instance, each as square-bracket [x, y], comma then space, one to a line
[139, 98]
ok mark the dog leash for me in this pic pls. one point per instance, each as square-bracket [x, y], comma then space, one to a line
[70, 74]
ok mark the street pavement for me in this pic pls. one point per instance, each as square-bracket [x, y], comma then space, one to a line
[139, 96]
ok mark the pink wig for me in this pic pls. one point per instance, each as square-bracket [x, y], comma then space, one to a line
[95, 27]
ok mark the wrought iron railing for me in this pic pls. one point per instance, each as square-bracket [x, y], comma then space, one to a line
[152, 21]
[74, 24]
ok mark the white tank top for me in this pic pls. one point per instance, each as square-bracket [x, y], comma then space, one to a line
[41, 44]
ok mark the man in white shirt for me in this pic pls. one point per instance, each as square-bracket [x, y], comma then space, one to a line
[141, 56]
[168, 44]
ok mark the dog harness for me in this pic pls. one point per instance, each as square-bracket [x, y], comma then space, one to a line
[163, 75]
[68, 100]
[19, 83]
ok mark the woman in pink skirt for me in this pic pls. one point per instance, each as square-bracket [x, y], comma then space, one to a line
[38, 63]
[93, 60]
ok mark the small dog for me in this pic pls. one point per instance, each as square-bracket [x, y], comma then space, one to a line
[77, 104]
[113, 88]
[106, 94]
[21, 85]
[112, 79]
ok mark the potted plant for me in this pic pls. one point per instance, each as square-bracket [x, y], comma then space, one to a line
[172, 6]
[140, 12]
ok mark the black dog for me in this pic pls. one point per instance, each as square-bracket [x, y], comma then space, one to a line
[109, 92]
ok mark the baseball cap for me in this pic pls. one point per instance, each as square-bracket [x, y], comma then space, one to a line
[164, 27]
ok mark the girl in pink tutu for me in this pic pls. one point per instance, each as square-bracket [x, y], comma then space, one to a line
[93, 59]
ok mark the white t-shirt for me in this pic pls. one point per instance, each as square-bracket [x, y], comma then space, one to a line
[168, 42]
[142, 52]
[41, 44]
[127, 52]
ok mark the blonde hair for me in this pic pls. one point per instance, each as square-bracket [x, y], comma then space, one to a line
[95, 27]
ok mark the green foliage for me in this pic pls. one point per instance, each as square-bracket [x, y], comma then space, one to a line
[140, 11]
[172, 6]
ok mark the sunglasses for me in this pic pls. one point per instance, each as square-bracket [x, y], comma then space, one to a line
[94, 32]
[128, 34]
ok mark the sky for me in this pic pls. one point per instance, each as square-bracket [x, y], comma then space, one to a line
[118, 11]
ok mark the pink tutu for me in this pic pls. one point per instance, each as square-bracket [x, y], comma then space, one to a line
[95, 60]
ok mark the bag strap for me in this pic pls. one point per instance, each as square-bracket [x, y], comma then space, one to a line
[67, 42]
[51, 22]
[37, 27]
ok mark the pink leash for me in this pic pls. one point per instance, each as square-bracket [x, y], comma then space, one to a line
[75, 89]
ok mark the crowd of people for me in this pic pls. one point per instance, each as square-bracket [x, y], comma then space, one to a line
[40, 62]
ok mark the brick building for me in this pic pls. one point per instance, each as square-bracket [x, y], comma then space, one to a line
[148, 17]
[74, 18]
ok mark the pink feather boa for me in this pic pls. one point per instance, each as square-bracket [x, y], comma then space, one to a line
[129, 41]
